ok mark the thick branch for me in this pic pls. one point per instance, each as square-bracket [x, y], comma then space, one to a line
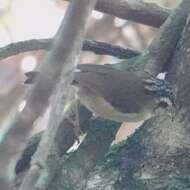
[74, 171]
[155, 58]
[138, 11]
[68, 52]
[153, 158]
[46, 44]
[179, 74]
[102, 48]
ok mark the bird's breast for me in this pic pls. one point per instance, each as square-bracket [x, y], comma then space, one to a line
[104, 109]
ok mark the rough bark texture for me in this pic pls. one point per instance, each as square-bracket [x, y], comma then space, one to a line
[179, 74]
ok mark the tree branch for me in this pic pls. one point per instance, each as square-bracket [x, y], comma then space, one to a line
[99, 48]
[67, 51]
[179, 75]
[138, 11]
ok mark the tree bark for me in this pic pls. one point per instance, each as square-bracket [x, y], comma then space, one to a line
[100, 48]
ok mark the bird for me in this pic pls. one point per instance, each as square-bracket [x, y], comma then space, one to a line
[119, 95]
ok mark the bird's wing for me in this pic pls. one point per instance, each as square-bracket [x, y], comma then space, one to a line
[117, 87]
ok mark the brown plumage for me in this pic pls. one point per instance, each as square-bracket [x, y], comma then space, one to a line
[101, 86]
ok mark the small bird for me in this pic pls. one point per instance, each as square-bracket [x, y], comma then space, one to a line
[119, 95]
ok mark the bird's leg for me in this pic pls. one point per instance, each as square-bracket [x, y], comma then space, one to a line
[76, 122]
